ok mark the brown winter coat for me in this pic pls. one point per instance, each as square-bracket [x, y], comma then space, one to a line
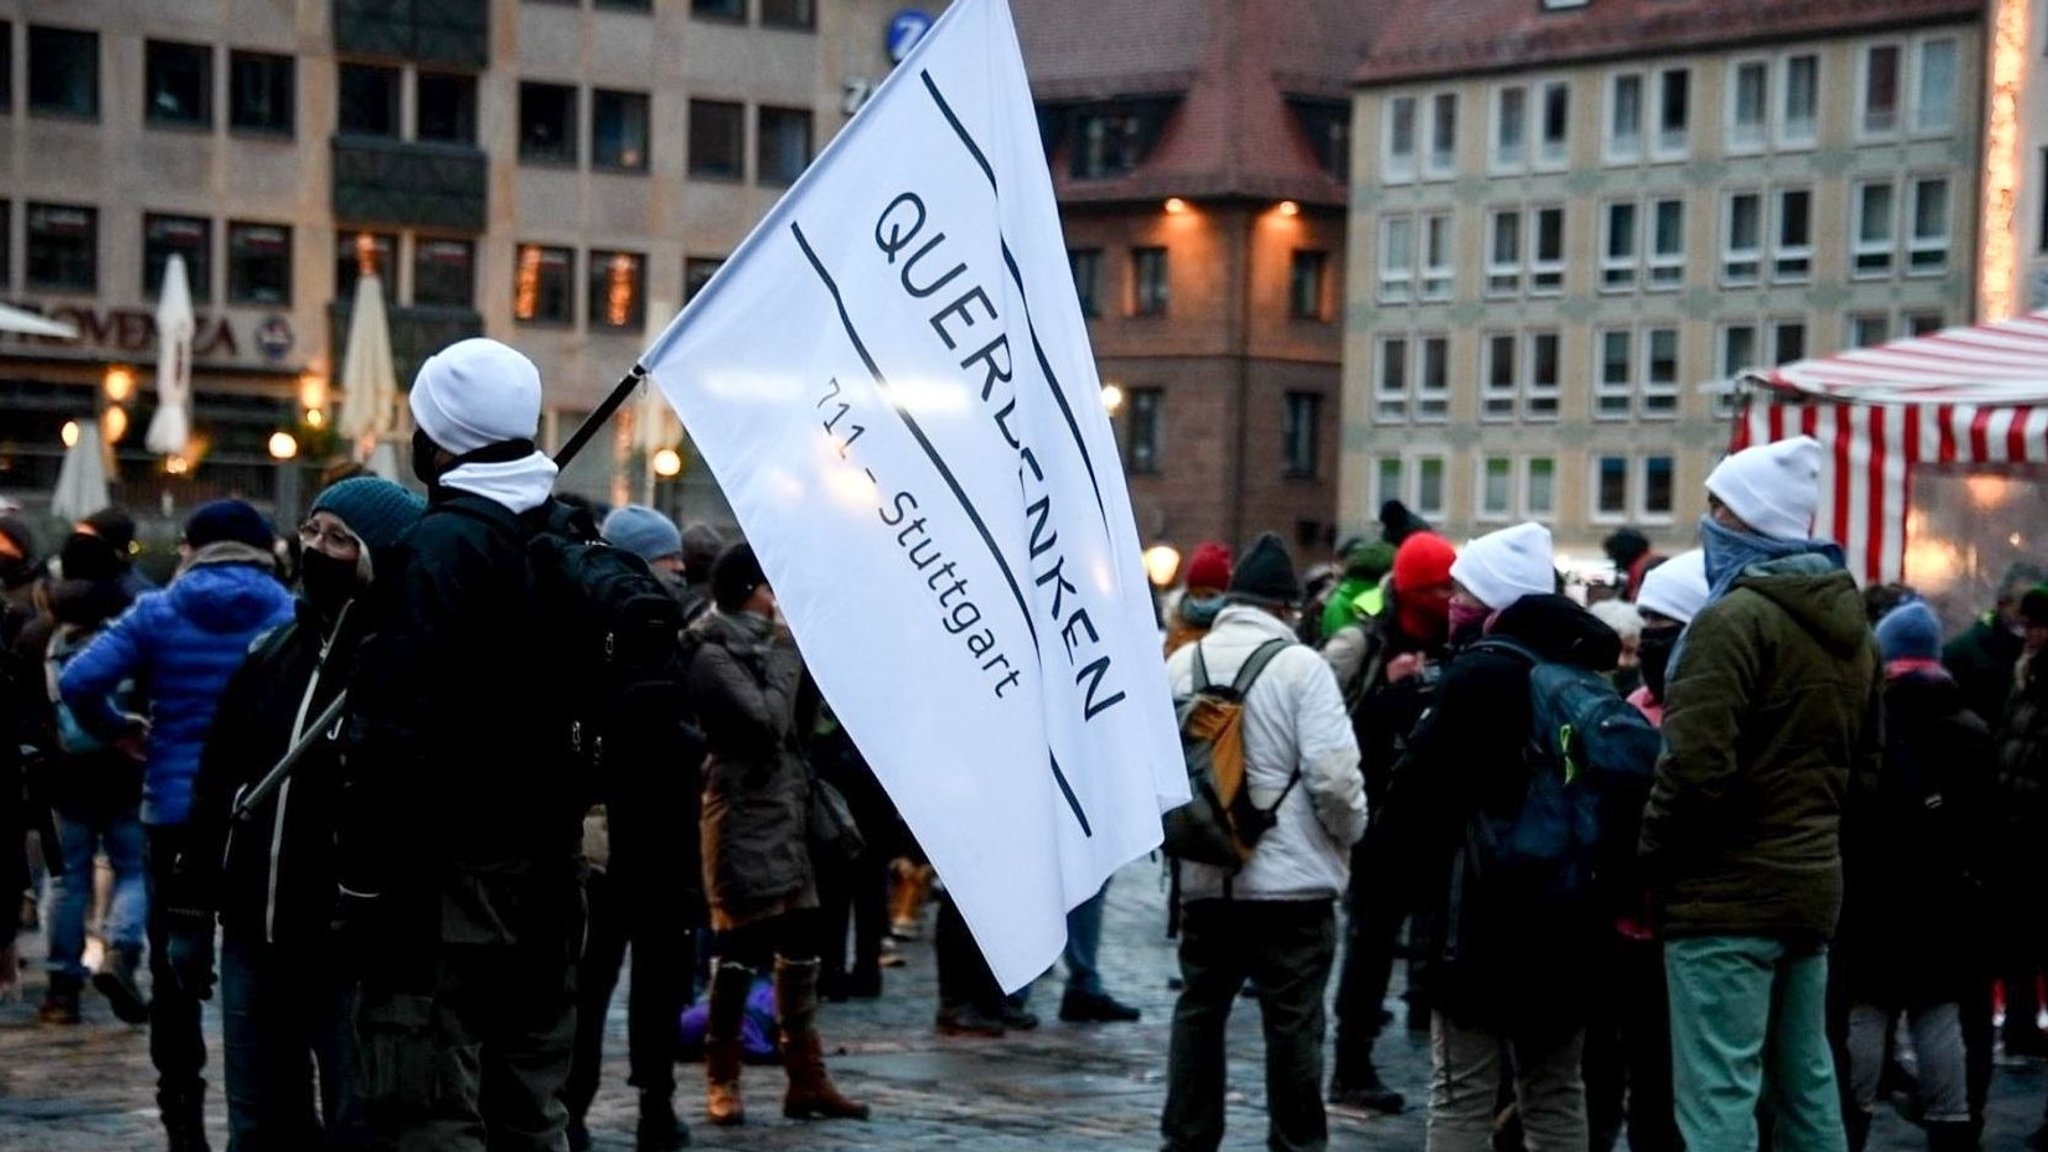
[756, 784]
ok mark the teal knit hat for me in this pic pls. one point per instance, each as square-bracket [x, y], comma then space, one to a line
[376, 510]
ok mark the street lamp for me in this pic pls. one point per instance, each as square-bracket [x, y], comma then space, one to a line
[668, 463]
[1162, 564]
[1112, 398]
[69, 434]
[119, 383]
[283, 446]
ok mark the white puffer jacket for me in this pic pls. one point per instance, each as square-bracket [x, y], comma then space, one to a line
[1294, 717]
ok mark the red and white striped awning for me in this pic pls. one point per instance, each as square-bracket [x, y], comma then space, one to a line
[1965, 397]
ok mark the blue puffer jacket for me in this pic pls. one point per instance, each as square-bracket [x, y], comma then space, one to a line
[180, 645]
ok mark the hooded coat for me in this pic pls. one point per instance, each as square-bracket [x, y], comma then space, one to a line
[1467, 757]
[1774, 703]
[182, 645]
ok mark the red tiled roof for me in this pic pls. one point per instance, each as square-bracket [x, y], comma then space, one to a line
[1428, 39]
[1232, 66]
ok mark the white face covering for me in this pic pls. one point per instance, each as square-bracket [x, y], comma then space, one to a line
[520, 485]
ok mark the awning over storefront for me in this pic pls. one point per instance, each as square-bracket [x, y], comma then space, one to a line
[1990, 364]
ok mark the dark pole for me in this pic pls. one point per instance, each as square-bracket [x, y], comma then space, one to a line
[595, 422]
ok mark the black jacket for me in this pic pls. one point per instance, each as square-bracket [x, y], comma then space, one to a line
[1466, 757]
[452, 809]
[271, 878]
[1914, 850]
[1982, 659]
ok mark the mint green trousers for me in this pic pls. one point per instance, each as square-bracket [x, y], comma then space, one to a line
[1749, 1023]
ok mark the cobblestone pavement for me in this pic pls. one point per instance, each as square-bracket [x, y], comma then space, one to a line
[88, 1089]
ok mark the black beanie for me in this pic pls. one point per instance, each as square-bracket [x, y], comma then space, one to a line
[115, 527]
[90, 557]
[1265, 575]
[735, 576]
[229, 521]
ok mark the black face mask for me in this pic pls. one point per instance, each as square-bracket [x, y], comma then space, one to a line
[423, 453]
[329, 583]
[16, 571]
[1653, 650]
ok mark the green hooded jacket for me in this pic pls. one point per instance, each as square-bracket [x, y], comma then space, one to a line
[1775, 704]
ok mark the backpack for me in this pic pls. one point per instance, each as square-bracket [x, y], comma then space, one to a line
[610, 634]
[1591, 756]
[1220, 824]
[68, 733]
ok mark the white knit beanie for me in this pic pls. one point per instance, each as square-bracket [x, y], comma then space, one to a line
[1502, 567]
[475, 393]
[1774, 488]
[1677, 588]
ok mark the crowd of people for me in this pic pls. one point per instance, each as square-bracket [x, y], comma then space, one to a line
[1692, 865]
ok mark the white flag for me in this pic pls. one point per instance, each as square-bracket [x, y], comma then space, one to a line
[891, 381]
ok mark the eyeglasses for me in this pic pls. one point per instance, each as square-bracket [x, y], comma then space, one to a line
[329, 540]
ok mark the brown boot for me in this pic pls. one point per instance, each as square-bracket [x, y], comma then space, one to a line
[811, 1093]
[730, 984]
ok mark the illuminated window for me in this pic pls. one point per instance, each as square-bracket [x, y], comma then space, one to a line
[543, 285]
[352, 250]
[617, 291]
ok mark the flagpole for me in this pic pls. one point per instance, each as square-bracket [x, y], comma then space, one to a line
[595, 422]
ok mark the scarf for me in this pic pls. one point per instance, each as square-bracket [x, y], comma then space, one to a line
[519, 485]
[1731, 555]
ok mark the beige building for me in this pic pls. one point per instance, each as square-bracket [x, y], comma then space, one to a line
[560, 175]
[1569, 220]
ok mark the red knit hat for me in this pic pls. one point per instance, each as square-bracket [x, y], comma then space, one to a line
[1209, 567]
[1424, 561]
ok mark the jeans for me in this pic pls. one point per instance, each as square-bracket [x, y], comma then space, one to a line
[1465, 1086]
[664, 966]
[285, 1013]
[80, 837]
[1937, 1042]
[1749, 1021]
[176, 1045]
[1288, 947]
[1084, 944]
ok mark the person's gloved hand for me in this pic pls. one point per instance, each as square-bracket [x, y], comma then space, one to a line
[188, 947]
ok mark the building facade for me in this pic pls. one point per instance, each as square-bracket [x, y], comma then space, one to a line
[1571, 221]
[560, 175]
[1198, 149]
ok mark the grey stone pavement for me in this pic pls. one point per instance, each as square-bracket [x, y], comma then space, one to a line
[88, 1088]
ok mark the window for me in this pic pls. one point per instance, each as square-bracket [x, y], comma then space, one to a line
[1390, 389]
[1625, 116]
[6, 88]
[1657, 488]
[1429, 498]
[1660, 372]
[1748, 97]
[1742, 229]
[1793, 257]
[178, 80]
[543, 285]
[187, 236]
[262, 92]
[1614, 386]
[368, 100]
[1626, 489]
[1387, 481]
[1929, 243]
[1737, 356]
[63, 247]
[1086, 265]
[547, 123]
[1553, 137]
[1397, 259]
[789, 14]
[1504, 253]
[1510, 128]
[1546, 266]
[447, 108]
[1876, 228]
[63, 72]
[1667, 243]
[1433, 380]
[1539, 488]
[1788, 341]
[1304, 422]
[1326, 125]
[1798, 123]
[1923, 323]
[1305, 284]
[1437, 268]
[1869, 331]
[1674, 111]
[1443, 134]
[717, 140]
[352, 250]
[1112, 139]
[734, 10]
[1398, 156]
[697, 272]
[618, 290]
[618, 130]
[1934, 103]
[259, 263]
[1148, 275]
[6, 237]
[1145, 423]
[1880, 90]
[1502, 386]
[1619, 251]
[1496, 488]
[785, 144]
[1540, 398]
[443, 273]
[1610, 491]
